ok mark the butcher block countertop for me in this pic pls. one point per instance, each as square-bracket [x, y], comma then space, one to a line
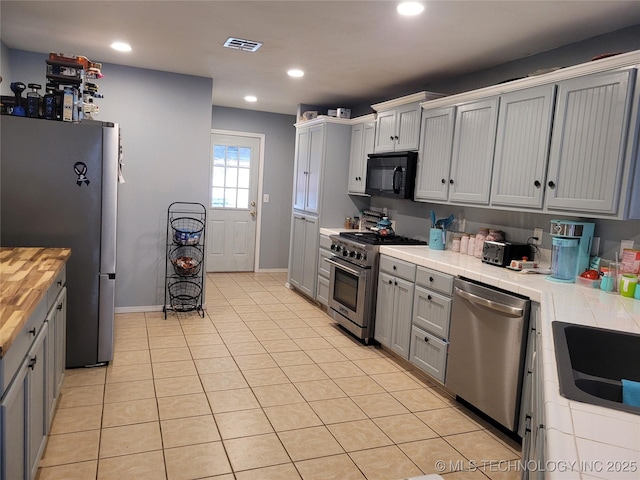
[26, 273]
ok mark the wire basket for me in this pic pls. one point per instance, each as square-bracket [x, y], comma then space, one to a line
[186, 260]
[185, 295]
[187, 230]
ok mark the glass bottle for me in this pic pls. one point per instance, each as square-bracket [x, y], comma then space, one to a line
[464, 244]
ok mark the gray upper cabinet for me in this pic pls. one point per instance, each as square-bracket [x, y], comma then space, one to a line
[309, 152]
[362, 143]
[473, 145]
[588, 144]
[522, 147]
[434, 159]
[398, 129]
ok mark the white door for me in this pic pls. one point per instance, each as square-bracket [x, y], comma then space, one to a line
[233, 205]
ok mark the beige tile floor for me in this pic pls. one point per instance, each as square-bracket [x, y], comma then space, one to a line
[264, 387]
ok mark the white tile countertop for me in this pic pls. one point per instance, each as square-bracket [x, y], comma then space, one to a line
[583, 441]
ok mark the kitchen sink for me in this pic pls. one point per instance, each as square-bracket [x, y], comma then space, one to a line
[592, 361]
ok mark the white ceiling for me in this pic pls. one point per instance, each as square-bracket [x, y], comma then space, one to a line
[352, 51]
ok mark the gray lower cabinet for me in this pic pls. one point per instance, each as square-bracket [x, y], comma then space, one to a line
[395, 304]
[430, 321]
[532, 423]
[322, 287]
[304, 254]
[31, 371]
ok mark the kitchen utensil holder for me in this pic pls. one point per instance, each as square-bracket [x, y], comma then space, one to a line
[437, 239]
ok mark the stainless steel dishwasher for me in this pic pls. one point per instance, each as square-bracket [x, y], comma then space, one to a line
[487, 349]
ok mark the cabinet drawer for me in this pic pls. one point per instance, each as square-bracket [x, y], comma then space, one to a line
[432, 312]
[323, 267]
[21, 344]
[428, 353]
[434, 280]
[398, 268]
[322, 291]
[325, 242]
[56, 287]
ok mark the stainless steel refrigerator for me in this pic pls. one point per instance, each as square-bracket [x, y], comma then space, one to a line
[59, 185]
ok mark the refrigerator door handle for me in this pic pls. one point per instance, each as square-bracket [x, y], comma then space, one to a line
[106, 316]
[110, 157]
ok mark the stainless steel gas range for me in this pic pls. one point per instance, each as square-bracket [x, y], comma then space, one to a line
[354, 278]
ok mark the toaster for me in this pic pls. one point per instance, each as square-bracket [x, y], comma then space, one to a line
[501, 253]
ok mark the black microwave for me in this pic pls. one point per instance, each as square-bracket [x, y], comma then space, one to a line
[391, 174]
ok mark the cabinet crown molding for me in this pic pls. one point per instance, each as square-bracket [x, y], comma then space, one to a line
[416, 97]
[320, 119]
[629, 59]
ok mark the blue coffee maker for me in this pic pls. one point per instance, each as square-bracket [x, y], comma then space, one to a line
[570, 249]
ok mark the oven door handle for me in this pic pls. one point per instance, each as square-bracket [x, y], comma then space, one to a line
[342, 267]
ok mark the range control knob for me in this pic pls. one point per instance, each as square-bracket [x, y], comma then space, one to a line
[345, 252]
[352, 254]
[338, 248]
[333, 246]
[359, 256]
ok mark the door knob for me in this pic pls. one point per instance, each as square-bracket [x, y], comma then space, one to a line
[252, 213]
[253, 204]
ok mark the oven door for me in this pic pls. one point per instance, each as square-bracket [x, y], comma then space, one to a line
[348, 290]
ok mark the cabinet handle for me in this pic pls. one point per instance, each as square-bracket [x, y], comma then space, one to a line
[537, 184]
[426, 339]
[33, 331]
[391, 138]
[397, 138]
[32, 362]
[59, 307]
[431, 279]
[390, 282]
[443, 181]
[451, 181]
[395, 283]
[428, 297]
[551, 184]
[59, 283]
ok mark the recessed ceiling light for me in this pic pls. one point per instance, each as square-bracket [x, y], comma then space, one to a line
[251, 98]
[121, 46]
[410, 8]
[294, 72]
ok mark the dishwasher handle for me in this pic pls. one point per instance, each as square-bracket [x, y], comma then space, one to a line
[490, 304]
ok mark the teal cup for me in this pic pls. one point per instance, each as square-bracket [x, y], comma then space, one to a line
[437, 239]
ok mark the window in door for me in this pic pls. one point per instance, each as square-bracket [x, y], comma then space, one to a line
[230, 177]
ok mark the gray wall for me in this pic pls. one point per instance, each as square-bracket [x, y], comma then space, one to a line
[413, 217]
[165, 120]
[277, 176]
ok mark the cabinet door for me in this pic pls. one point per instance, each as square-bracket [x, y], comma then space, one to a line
[316, 153]
[522, 147]
[384, 309]
[13, 427]
[408, 127]
[322, 291]
[434, 157]
[37, 405]
[310, 256]
[473, 145]
[588, 142]
[385, 132]
[356, 160]
[297, 251]
[403, 308]
[301, 168]
[56, 344]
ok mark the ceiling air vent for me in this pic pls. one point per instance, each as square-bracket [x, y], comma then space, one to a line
[240, 44]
